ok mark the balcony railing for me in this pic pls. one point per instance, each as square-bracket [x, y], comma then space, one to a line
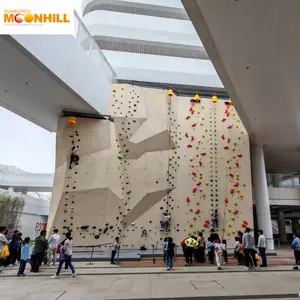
[283, 180]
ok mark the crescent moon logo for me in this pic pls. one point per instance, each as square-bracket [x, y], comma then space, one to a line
[19, 18]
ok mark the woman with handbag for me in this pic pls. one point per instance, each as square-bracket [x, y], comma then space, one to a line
[4, 252]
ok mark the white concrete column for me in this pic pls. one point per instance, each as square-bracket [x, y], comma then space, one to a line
[276, 180]
[261, 194]
[281, 227]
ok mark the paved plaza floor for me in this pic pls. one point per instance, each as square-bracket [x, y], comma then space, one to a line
[103, 281]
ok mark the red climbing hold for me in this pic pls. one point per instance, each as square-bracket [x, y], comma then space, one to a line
[194, 125]
[228, 140]
[223, 137]
[236, 184]
[231, 175]
[191, 108]
[194, 173]
[203, 153]
[240, 155]
[244, 225]
[186, 135]
[199, 183]
[192, 111]
[226, 147]
[237, 164]
[231, 191]
[224, 119]
[192, 138]
[229, 126]
[226, 201]
[194, 190]
[188, 200]
[189, 145]
[200, 163]
[236, 212]
[197, 211]
[188, 117]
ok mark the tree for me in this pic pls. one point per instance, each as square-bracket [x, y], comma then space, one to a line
[11, 209]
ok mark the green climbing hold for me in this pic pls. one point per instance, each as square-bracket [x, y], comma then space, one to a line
[120, 157]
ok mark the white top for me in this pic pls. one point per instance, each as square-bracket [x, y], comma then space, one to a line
[167, 218]
[115, 246]
[237, 246]
[261, 241]
[3, 241]
[68, 247]
[218, 247]
[53, 241]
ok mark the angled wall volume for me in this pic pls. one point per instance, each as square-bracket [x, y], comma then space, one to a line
[162, 154]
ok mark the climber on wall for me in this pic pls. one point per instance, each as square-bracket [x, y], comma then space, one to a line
[165, 222]
[74, 155]
[215, 219]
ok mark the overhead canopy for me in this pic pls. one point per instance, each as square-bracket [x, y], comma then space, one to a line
[254, 46]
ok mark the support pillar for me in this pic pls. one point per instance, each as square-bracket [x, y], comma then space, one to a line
[281, 227]
[261, 194]
[276, 180]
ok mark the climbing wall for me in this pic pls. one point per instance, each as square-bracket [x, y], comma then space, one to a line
[163, 153]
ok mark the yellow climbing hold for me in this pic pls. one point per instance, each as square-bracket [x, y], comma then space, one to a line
[235, 204]
[228, 234]
[194, 218]
[189, 233]
[132, 224]
[191, 225]
[229, 225]
[191, 159]
[203, 119]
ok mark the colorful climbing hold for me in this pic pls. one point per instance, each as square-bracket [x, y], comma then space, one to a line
[223, 137]
[236, 184]
[239, 155]
[214, 99]
[226, 201]
[226, 147]
[203, 153]
[231, 191]
[194, 174]
[186, 135]
[189, 145]
[194, 190]
[229, 126]
[187, 117]
[223, 120]
[188, 200]
[197, 98]
[194, 124]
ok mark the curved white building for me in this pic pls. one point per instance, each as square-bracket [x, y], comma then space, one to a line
[150, 40]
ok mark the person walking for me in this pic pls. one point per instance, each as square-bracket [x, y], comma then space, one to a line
[66, 252]
[218, 248]
[25, 249]
[40, 249]
[3, 242]
[52, 245]
[249, 248]
[170, 254]
[296, 247]
[261, 245]
[114, 251]
[13, 248]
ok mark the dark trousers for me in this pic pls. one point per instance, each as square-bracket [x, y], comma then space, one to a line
[200, 255]
[211, 255]
[189, 255]
[297, 257]
[250, 254]
[113, 254]
[36, 261]
[68, 262]
[240, 258]
[22, 267]
[262, 252]
[165, 256]
[225, 256]
[13, 255]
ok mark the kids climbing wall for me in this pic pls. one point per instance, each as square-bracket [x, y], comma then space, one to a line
[162, 153]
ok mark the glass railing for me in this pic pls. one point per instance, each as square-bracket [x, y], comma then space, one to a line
[283, 180]
[91, 48]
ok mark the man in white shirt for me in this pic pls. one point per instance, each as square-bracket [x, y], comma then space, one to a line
[114, 251]
[53, 243]
[261, 245]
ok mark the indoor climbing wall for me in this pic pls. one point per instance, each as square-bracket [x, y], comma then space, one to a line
[184, 156]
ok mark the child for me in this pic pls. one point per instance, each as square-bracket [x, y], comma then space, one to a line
[170, 251]
[210, 251]
[218, 252]
[224, 251]
[24, 257]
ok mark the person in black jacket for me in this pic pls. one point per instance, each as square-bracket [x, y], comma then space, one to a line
[40, 247]
[213, 237]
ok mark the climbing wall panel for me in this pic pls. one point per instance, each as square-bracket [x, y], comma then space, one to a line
[163, 153]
